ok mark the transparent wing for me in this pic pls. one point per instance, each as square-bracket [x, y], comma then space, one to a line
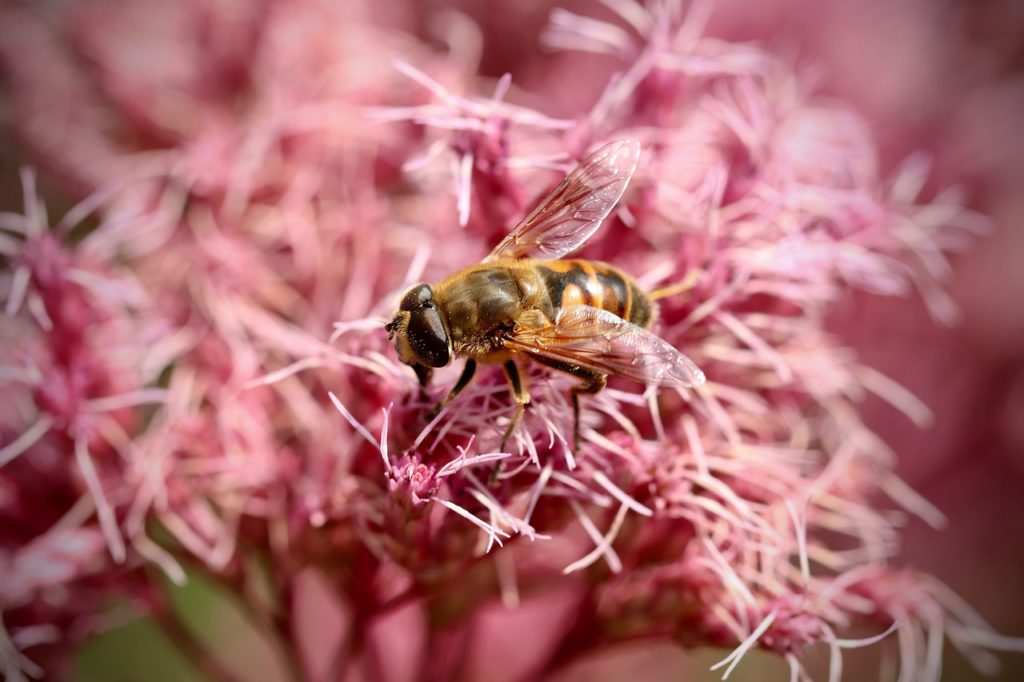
[602, 341]
[575, 209]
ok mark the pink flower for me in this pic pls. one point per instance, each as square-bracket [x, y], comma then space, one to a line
[202, 379]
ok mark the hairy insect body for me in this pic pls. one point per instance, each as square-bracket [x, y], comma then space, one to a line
[587, 319]
[571, 283]
[484, 304]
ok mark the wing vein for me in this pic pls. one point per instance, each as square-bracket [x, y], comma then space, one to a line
[574, 210]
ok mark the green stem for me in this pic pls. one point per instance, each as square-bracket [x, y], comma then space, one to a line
[191, 647]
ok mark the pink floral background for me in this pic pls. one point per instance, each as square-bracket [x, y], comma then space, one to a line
[211, 208]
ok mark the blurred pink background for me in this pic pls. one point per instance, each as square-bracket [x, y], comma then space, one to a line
[947, 78]
[944, 77]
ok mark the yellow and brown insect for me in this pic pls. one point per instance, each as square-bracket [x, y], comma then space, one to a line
[582, 317]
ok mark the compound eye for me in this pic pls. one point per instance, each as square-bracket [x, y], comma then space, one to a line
[427, 338]
[417, 298]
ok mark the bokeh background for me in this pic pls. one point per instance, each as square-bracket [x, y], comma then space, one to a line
[942, 76]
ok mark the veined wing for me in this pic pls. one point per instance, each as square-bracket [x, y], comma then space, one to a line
[602, 341]
[567, 217]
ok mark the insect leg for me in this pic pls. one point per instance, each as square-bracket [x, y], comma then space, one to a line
[680, 287]
[468, 370]
[593, 382]
[423, 373]
[521, 396]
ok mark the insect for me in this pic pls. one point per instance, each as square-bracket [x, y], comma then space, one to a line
[586, 318]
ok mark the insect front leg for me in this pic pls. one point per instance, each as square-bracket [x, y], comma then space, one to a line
[519, 394]
[468, 370]
[423, 373]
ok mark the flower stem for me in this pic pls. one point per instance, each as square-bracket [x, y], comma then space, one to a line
[191, 647]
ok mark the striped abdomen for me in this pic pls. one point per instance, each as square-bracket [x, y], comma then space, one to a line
[582, 282]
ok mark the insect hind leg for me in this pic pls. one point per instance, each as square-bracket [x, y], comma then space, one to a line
[680, 287]
[592, 384]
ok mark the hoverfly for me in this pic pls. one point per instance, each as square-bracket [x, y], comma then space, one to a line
[582, 317]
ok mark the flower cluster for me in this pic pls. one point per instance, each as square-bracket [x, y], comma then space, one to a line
[198, 378]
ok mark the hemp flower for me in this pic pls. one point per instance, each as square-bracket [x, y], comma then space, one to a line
[197, 378]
